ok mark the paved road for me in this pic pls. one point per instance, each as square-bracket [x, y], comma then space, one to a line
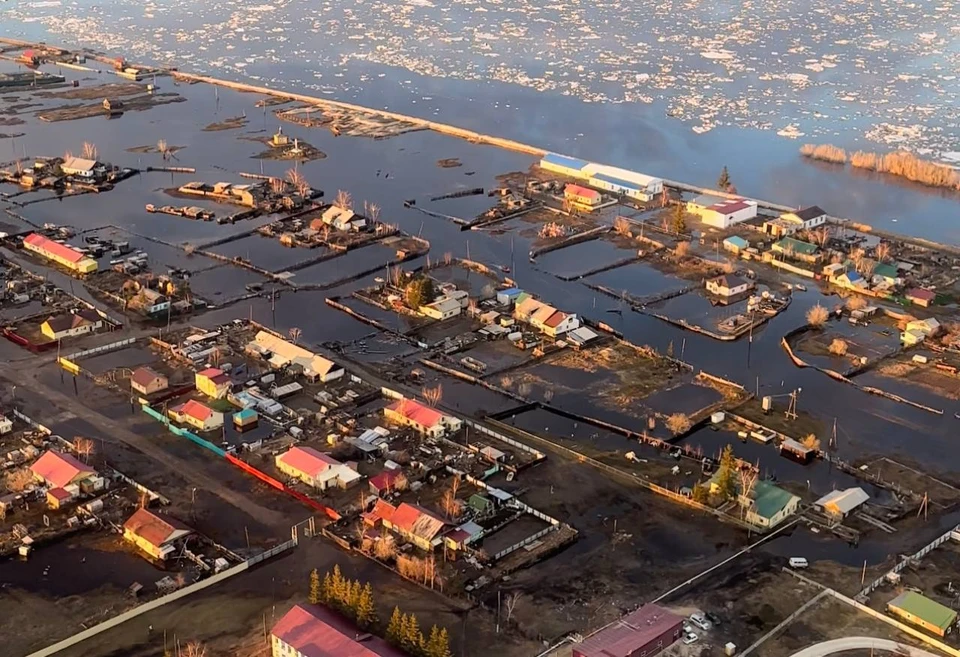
[861, 642]
[25, 379]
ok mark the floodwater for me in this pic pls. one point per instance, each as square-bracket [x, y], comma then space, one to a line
[574, 260]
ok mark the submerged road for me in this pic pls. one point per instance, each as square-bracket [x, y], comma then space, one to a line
[861, 643]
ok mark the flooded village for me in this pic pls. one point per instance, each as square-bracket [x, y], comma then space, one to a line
[414, 389]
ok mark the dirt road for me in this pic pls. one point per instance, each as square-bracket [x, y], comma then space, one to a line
[24, 378]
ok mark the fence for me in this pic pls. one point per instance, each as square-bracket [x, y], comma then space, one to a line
[159, 602]
[510, 441]
[937, 542]
[527, 541]
[786, 621]
[28, 420]
[102, 349]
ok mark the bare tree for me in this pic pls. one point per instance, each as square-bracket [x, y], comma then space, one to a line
[343, 201]
[681, 249]
[162, 147]
[195, 649]
[373, 213]
[277, 186]
[817, 316]
[511, 603]
[447, 258]
[679, 423]
[856, 302]
[385, 549]
[84, 447]
[449, 503]
[622, 227]
[295, 334]
[17, 481]
[859, 259]
[838, 347]
[882, 251]
[810, 441]
[89, 151]
[820, 236]
[433, 395]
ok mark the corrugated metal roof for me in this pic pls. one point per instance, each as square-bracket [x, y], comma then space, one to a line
[617, 181]
[316, 632]
[631, 633]
[922, 607]
[564, 161]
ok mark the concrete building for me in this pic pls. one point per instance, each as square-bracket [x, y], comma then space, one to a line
[158, 536]
[72, 324]
[312, 631]
[212, 382]
[582, 197]
[923, 612]
[61, 254]
[642, 633]
[197, 415]
[728, 285]
[147, 381]
[281, 353]
[721, 212]
[566, 166]
[315, 468]
[840, 503]
[790, 222]
[426, 420]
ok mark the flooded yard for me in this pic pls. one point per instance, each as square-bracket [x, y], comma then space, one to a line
[266, 252]
[582, 258]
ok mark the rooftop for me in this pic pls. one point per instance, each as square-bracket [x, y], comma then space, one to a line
[307, 460]
[808, 213]
[565, 161]
[144, 376]
[631, 633]
[769, 500]
[416, 412]
[155, 529]
[580, 190]
[59, 469]
[845, 501]
[54, 248]
[797, 246]
[317, 632]
[924, 608]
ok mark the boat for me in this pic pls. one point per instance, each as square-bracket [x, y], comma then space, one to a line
[504, 269]
[801, 287]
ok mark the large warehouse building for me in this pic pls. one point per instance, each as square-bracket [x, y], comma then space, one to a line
[627, 183]
[59, 253]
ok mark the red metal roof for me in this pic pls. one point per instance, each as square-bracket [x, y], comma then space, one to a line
[631, 633]
[922, 294]
[144, 376]
[417, 412]
[54, 248]
[156, 530]
[59, 493]
[729, 207]
[380, 511]
[579, 190]
[317, 632]
[555, 319]
[385, 479]
[58, 469]
[210, 372]
[416, 520]
[307, 460]
[196, 410]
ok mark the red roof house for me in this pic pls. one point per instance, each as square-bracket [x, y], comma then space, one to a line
[647, 631]
[315, 468]
[313, 631]
[412, 522]
[197, 414]
[58, 470]
[921, 297]
[54, 248]
[424, 419]
[385, 481]
[579, 191]
[154, 534]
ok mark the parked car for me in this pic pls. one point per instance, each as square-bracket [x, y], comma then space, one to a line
[713, 618]
[690, 637]
[798, 562]
[700, 620]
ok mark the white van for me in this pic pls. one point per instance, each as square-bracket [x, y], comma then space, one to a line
[798, 562]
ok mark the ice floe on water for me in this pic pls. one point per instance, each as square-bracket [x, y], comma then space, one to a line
[816, 68]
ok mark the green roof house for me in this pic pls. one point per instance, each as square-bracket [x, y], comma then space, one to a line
[922, 611]
[769, 505]
[797, 248]
[884, 273]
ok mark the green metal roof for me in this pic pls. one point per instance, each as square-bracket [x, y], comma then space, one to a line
[797, 246]
[922, 607]
[769, 500]
[885, 270]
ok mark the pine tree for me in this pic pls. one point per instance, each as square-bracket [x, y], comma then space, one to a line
[726, 474]
[365, 609]
[723, 183]
[316, 593]
[326, 590]
[679, 221]
[353, 598]
[340, 588]
[395, 627]
[411, 639]
[441, 646]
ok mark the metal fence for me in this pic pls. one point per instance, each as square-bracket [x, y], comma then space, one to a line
[499, 436]
[102, 349]
[940, 540]
[527, 541]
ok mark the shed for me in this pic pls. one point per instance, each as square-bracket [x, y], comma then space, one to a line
[840, 503]
[481, 503]
[735, 244]
[922, 611]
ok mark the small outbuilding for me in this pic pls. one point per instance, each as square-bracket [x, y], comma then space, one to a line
[920, 610]
[147, 381]
[840, 503]
[921, 297]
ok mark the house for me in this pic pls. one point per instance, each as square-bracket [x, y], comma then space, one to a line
[735, 244]
[722, 212]
[6, 425]
[728, 285]
[63, 475]
[150, 302]
[281, 353]
[884, 274]
[635, 185]
[315, 468]
[339, 219]
[580, 337]
[467, 533]
[72, 324]
[768, 505]
[147, 381]
[61, 254]
[442, 308]
[851, 280]
[834, 269]
[426, 420]
[790, 222]
[928, 327]
[197, 415]
[81, 167]
[312, 631]
[582, 197]
[157, 535]
[411, 521]
[840, 503]
[245, 418]
[921, 297]
[560, 323]
[388, 480]
[643, 633]
[797, 249]
[508, 296]
[912, 337]
[212, 382]
[566, 166]
[923, 612]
